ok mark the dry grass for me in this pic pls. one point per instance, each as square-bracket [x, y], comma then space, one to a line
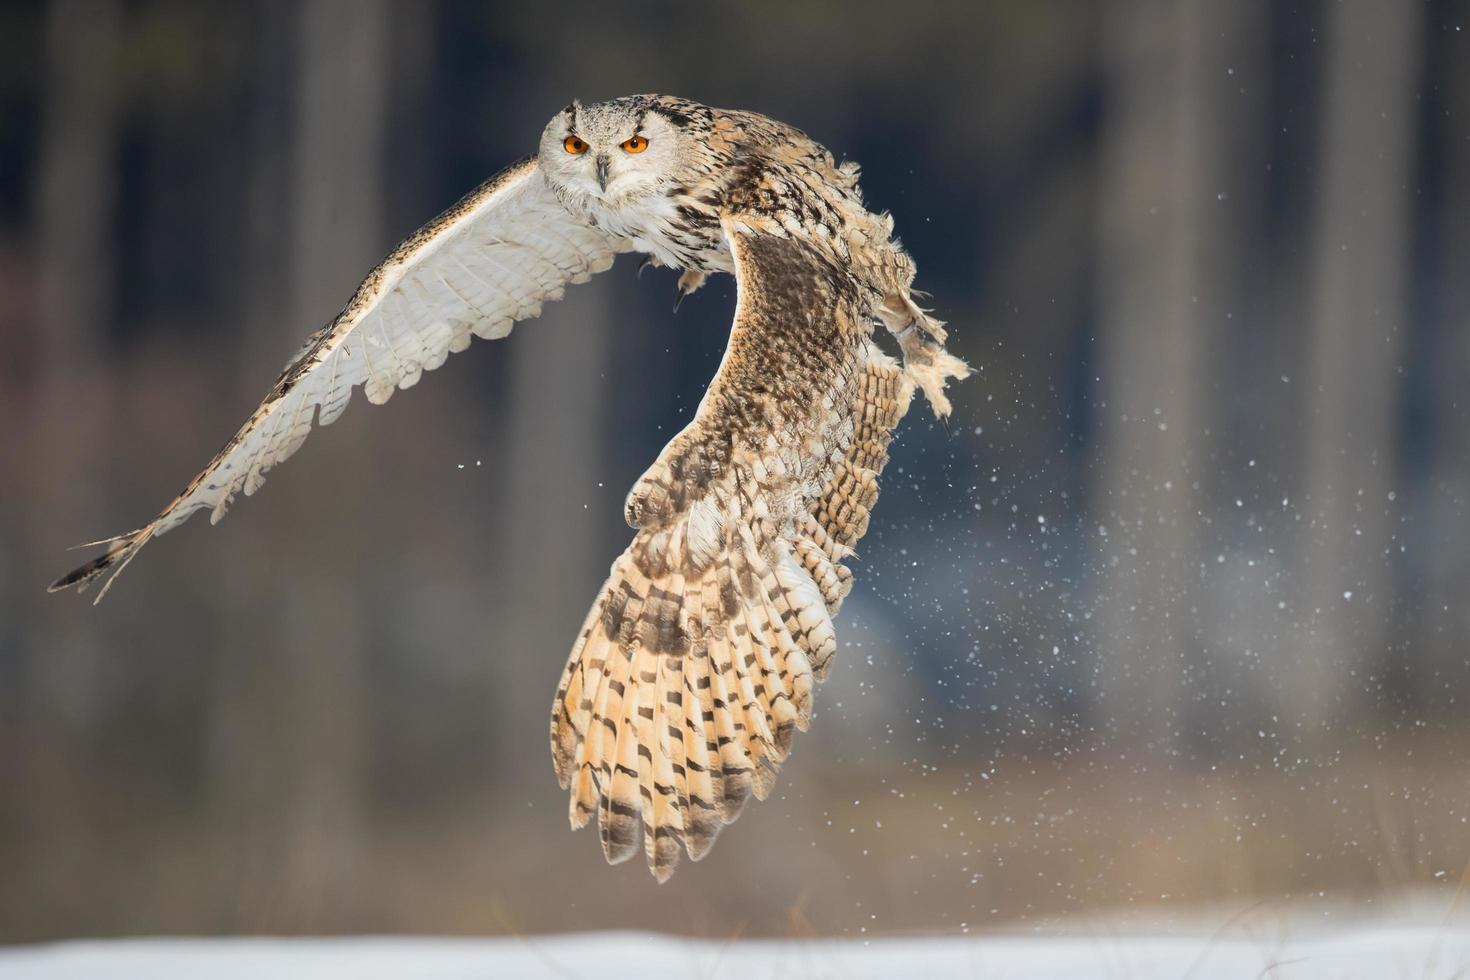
[906, 849]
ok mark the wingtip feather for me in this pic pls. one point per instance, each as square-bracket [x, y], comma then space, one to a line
[122, 549]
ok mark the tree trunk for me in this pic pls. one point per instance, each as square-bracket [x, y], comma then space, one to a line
[1444, 633]
[287, 726]
[554, 458]
[1166, 233]
[1357, 327]
[75, 212]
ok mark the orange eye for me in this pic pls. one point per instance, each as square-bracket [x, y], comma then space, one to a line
[574, 145]
[636, 144]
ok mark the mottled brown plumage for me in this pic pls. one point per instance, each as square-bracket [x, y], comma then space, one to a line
[697, 661]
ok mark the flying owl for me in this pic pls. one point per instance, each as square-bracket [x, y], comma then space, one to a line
[697, 661]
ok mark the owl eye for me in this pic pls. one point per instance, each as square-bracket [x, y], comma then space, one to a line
[573, 144]
[635, 144]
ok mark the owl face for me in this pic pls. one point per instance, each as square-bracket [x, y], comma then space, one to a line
[611, 152]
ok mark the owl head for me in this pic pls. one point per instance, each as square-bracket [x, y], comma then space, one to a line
[613, 152]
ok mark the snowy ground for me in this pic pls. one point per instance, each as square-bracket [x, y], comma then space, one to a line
[1380, 953]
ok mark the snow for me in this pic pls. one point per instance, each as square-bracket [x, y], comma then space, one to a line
[1378, 952]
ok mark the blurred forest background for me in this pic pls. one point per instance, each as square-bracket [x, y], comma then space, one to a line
[1173, 612]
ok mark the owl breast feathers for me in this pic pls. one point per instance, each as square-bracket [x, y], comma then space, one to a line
[697, 661]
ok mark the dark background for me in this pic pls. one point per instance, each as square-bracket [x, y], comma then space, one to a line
[1173, 611]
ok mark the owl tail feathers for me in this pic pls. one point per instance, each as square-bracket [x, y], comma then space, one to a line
[120, 551]
[683, 692]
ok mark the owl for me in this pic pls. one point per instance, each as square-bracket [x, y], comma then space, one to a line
[696, 664]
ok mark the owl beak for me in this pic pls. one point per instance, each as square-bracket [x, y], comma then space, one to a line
[602, 170]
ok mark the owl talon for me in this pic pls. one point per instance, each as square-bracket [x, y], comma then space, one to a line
[691, 280]
[649, 261]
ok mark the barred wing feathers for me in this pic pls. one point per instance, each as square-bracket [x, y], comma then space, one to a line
[490, 260]
[697, 661]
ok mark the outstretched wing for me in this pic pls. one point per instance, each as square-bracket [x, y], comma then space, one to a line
[490, 260]
[697, 660]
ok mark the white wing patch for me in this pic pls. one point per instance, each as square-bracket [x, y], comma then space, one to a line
[492, 259]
